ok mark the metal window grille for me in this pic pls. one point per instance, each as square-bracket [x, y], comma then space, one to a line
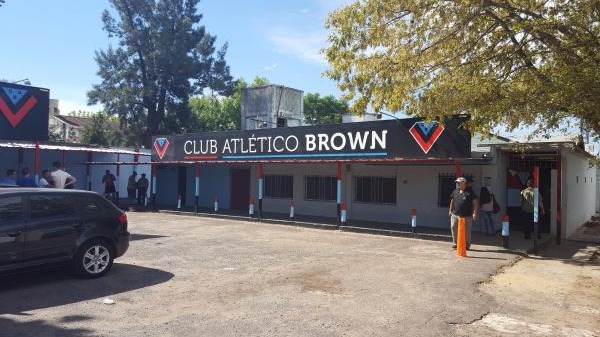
[447, 184]
[376, 190]
[279, 186]
[320, 188]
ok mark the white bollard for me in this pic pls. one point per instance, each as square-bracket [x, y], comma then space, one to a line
[414, 220]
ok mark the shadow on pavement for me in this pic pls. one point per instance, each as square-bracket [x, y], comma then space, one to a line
[40, 328]
[54, 287]
[572, 252]
[135, 236]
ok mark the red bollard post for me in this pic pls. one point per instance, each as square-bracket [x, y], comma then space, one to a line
[505, 231]
[178, 201]
[251, 207]
[343, 214]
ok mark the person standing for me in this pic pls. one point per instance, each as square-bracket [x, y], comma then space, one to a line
[62, 179]
[11, 178]
[527, 207]
[46, 180]
[487, 209]
[142, 188]
[463, 203]
[108, 179]
[26, 180]
[131, 186]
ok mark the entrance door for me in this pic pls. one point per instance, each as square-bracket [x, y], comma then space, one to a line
[240, 188]
[520, 169]
[181, 181]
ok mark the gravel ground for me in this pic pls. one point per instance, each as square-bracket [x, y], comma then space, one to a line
[188, 276]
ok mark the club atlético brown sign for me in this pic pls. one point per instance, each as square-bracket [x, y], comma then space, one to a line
[386, 139]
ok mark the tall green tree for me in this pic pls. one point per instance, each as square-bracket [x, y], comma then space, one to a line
[164, 56]
[504, 62]
[324, 110]
[103, 129]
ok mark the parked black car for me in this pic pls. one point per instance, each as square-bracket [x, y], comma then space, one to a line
[39, 227]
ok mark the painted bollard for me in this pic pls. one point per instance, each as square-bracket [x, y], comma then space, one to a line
[292, 206]
[461, 238]
[343, 214]
[251, 207]
[179, 201]
[414, 220]
[216, 204]
[505, 231]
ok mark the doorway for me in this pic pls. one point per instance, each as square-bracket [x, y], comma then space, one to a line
[520, 168]
[240, 188]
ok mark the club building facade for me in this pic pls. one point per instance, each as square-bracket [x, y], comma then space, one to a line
[377, 171]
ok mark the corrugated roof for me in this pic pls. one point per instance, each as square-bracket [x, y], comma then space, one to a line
[72, 147]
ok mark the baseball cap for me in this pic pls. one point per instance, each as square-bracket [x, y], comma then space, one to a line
[460, 180]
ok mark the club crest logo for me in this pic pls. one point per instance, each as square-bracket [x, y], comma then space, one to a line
[426, 134]
[160, 145]
[17, 107]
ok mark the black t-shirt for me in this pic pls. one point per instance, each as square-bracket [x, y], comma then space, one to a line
[463, 202]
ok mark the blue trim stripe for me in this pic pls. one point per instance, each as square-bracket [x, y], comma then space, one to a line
[373, 154]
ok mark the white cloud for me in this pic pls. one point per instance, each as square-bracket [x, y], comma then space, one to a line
[304, 11]
[271, 67]
[306, 48]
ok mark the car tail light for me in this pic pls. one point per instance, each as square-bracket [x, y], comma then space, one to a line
[123, 221]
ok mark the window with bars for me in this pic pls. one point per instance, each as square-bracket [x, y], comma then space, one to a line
[446, 185]
[375, 190]
[320, 188]
[279, 186]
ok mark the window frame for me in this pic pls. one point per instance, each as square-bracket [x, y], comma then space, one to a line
[280, 180]
[377, 191]
[68, 201]
[17, 219]
[445, 180]
[323, 181]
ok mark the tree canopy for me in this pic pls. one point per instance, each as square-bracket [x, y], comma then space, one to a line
[513, 63]
[323, 110]
[164, 56]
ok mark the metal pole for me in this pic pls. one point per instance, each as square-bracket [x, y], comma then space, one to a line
[339, 194]
[536, 227]
[260, 190]
[153, 178]
[197, 201]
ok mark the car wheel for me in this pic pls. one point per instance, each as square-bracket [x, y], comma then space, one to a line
[93, 259]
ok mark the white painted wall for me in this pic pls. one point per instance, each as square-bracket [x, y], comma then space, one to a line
[417, 187]
[579, 191]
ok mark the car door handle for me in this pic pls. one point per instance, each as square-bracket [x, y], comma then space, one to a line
[13, 234]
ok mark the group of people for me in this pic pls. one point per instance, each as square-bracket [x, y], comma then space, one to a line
[58, 178]
[135, 187]
[465, 203]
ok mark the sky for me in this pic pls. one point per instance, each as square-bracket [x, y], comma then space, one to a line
[53, 43]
